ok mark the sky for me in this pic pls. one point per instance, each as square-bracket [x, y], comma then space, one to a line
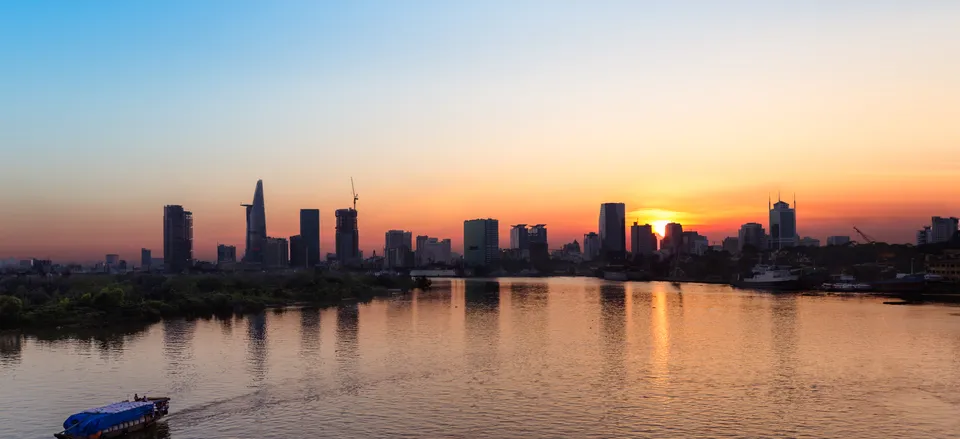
[525, 111]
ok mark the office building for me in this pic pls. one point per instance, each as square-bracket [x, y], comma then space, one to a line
[519, 238]
[431, 251]
[731, 245]
[256, 227]
[397, 249]
[347, 237]
[838, 240]
[310, 234]
[942, 229]
[643, 241]
[538, 251]
[613, 231]
[298, 251]
[752, 235]
[276, 253]
[145, 258]
[591, 246]
[783, 225]
[226, 254]
[692, 242]
[481, 242]
[177, 239]
[113, 261]
[924, 236]
[672, 238]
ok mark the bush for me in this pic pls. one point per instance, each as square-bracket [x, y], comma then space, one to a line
[10, 309]
[108, 298]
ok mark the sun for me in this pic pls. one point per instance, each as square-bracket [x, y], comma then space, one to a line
[660, 226]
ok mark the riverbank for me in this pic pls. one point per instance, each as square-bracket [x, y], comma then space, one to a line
[96, 301]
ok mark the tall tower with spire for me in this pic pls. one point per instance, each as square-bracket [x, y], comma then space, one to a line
[256, 227]
[783, 224]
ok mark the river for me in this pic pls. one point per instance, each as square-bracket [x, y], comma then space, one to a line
[559, 357]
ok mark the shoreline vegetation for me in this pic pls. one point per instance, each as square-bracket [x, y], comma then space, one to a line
[99, 301]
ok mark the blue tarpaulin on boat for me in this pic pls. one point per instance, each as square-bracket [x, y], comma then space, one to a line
[91, 421]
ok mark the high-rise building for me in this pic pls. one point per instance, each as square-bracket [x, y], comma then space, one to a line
[783, 225]
[481, 242]
[298, 251]
[276, 253]
[348, 237]
[807, 241]
[432, 251]
[924, 236]
[226, 254]
[731, 245]
[643, 241]
[538, 250]
[519, 237]
[177, 239]
[942, 229]
[838, 240]
[310, 233]
[145, 258]
[113, 260]
[692, 242]
[672, 238]
[752, 235]
[591, 246]
[397, 249]
[256, 227]
[613, 231]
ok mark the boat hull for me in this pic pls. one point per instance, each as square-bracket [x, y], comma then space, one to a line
[121, 429]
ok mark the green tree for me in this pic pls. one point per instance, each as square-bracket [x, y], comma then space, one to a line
[10, 308]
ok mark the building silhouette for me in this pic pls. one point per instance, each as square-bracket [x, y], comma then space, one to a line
[347, 237]
[643, 241]
[146, 257]
[256, 227]
[226, 254]
[538, 248]
[397, 249]
[310, 233]
[177, 239]
[591, 246]
[613, 233]
[432, 251]
[942, 229]
[731, 245]
[298, 251]
[520, 239]
[753, 235]
[672, 238]
[838, 240]
[783, 225]
[276, 253]
[481, 242]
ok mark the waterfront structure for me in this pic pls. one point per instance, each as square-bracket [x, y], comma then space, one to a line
[347, 237]
[481, 238]
[753, 235]
[519, 238]
[310, 233]
[942, 229]
[276, 253]
[783, 225]
[145, 258]
[672, 238]
[613, 233]
[226, 254]
[838, 240]
[643, 241]
[591, 246]
[177, 238]
[807, 241]
[298, 251]
[946, 265]
[397, 249]
[432, 251]
[731, 245]
[256, 227]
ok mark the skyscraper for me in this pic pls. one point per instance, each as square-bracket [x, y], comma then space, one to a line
[226, 254]
[591, 246]
[672, 237]
[481, 242]
[348, 237]
[310, 233]
[145, 258]
[432, 251]
[783, 225]
[298, 251]
[519, 237]
[276, 253]
[538, 249]
[256, 227]
[177, 238]
[398, 249]
[642, 239]
[942, 229]
[613, 231]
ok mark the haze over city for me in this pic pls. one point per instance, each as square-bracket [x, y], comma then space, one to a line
[529, 112]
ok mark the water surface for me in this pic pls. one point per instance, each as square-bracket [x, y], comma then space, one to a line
[517, 358]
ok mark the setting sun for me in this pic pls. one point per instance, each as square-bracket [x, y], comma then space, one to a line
[660, 226]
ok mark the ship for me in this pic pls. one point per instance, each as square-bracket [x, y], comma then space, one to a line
[114, 420]
[770, 277]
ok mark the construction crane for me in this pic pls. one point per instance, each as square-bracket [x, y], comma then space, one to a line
[355, 197]
[865, 236]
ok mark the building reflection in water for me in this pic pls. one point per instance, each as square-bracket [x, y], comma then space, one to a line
[530, 320]
[613, 320]
[660, 334]
[348, 349]
[11, 346]
[178, 351]
[226, 326]
[481, 324]
[309, 332]
[785, 390]
[257, 346]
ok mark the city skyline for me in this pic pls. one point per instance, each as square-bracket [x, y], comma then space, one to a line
[136, 106]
